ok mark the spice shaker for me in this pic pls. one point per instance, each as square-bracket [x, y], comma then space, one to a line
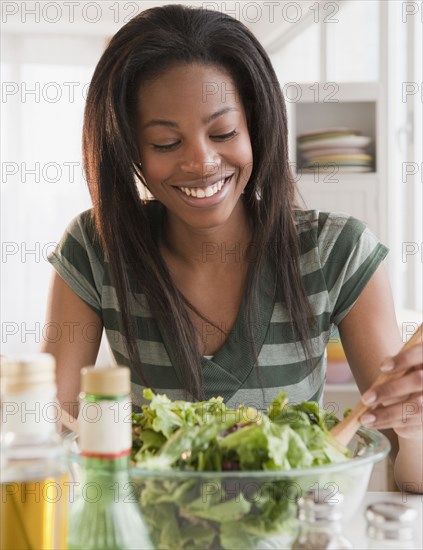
[320, 514]
[390, 525]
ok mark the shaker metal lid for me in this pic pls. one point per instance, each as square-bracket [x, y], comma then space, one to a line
[389, 513]
[390, 521]
[321, 504]
[324, 496]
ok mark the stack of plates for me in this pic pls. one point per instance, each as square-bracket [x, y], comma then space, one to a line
[335, 150]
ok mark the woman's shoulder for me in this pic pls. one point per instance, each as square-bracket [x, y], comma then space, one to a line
[324, 225]
[321, 217]
[81, 234]
[82, 228]
[333, 240]
[82, 222]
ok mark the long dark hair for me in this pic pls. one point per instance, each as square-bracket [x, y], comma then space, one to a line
[145, 47]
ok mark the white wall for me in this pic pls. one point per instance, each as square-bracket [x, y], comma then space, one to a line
[42, 182]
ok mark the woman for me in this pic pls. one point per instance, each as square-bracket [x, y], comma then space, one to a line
[221, 285]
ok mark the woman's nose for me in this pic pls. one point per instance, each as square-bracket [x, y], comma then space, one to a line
[199, 158]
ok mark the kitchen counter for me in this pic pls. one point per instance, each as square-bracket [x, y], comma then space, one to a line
[355, 530]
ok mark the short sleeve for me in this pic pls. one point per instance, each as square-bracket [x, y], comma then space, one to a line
[349, 255]
[79, 261]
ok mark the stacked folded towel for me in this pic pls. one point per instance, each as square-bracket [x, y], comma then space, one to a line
[342, 148]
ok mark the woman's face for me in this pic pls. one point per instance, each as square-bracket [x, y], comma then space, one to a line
[194, 143]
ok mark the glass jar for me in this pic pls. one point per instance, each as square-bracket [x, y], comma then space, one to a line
[34, 486]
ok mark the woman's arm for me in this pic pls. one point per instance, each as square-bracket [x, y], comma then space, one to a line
[369, 334]
[72, 334]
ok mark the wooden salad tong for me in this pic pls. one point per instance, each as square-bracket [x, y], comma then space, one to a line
[345, 430]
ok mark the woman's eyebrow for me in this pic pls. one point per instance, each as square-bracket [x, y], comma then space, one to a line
[219, 113]
[171, 124]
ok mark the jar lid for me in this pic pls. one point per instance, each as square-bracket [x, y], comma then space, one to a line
[27, 372]
[107, 381]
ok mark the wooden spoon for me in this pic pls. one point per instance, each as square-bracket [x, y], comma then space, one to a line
[345, 430]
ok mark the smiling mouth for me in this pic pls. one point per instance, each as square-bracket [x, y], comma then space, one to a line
[205, 192]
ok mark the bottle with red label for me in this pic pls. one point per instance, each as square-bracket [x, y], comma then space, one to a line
[106, 513]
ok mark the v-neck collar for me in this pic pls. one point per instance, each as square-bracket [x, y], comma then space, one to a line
[227, 371]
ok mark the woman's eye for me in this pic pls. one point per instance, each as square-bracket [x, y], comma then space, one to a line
[225, 137]
[163, 148]
[172, 146]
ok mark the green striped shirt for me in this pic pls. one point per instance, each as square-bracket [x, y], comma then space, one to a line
[338, 256]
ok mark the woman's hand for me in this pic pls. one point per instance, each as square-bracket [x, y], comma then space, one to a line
[369, 334]
[397, 404]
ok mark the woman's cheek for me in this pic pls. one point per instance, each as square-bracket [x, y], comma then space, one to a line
[157, 169]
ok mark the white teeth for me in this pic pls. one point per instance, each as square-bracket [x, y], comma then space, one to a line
[201, 192]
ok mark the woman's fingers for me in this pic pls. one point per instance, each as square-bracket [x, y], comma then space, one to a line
[404, 417]
[410, 383]
[397, 403]
[404, 360]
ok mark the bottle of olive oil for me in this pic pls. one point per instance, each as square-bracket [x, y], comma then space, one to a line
[34, 488]
[106, 513]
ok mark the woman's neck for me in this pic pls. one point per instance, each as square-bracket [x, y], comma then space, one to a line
[212, 248]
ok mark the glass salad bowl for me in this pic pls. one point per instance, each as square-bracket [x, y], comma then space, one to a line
[210, 477]
[246, 509]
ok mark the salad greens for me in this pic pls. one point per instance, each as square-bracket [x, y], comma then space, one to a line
[207, 436]
[211, 511]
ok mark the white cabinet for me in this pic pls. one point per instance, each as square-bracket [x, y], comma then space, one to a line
[359, 66]
[359, 106]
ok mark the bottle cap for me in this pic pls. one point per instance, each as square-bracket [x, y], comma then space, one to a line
[320, 505]
[107, 381]
[27, 372]
[390, 520]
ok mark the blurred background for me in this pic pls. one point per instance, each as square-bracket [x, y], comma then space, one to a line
[351, 74]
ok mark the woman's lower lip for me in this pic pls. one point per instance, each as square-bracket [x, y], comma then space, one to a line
[207, 201]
